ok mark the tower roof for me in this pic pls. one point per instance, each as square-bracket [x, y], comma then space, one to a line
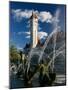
[33, 15]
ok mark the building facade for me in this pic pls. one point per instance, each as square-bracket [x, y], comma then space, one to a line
[33, 30]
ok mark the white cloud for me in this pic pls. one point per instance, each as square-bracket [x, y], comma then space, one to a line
[28, 24]
[28, 36]
[26, 13]
[28, 33]
[41, 34]
[43, 16]
[19, 14]
[16, 10]
[16, 14]
[19, 33]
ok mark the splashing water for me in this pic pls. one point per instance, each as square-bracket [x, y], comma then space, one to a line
[58, 53]
[55, 52]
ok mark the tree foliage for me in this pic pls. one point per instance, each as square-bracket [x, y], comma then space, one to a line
[14, 53]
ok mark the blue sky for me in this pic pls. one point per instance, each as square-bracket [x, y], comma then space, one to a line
[19, 20]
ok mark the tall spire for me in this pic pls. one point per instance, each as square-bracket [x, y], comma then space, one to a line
[32, 12]
[33, 29]
[33, 15]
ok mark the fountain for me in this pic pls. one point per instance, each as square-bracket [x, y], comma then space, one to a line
[45, 70]
[55, 53]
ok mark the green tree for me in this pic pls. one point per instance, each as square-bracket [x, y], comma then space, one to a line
[14, 54]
